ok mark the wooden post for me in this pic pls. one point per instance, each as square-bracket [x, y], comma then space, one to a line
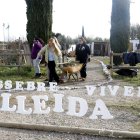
[19, 56]
[27, 54]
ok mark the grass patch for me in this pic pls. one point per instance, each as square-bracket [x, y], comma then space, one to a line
[22, 74]
[134, 81]
[8, 71]
[106, 60]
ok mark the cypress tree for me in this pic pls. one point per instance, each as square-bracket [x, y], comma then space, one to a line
[120, 28]
[39, 19]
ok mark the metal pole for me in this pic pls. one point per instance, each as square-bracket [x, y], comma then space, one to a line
[3, 34]
[8, 31]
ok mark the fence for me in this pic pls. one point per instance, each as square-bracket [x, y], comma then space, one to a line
[15, 54]
[124, 66]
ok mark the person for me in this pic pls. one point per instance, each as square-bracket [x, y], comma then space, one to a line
[57, 43]
[82, 53]
[37, 45]
[53, 55]
[60, 47]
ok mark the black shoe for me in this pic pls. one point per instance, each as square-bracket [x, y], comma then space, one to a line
[37, 75]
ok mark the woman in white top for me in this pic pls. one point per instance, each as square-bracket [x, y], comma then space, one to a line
[53, 55]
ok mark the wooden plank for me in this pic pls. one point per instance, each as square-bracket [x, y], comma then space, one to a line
[13, 65]
[27, 57]
[117, 54]
[12, 54]
[125, 67]
[63, 63]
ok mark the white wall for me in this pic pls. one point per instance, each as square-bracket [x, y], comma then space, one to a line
[135, 44]
[72, 48]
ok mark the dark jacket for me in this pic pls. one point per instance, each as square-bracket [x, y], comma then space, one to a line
[35, 49]
[82, 52]
[131, 58]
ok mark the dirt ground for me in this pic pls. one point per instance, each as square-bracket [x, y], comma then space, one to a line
[125, 110]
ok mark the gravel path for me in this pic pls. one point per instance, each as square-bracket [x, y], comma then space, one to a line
[125, 110]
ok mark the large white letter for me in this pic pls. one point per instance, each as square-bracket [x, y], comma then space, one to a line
[100, 110]
[102, 90]
[19, 85]
[128, 91]
[30, 85]
[113, 89]
[38, 105]
[1, 84]
[53, 86]
[21, 105]
[8, 84]
[5, 103]
[41, 86]
[58, 103]
[90, 90]
[72, 110]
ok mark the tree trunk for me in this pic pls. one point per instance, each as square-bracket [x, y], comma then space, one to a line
[120, 28]
[39, 19]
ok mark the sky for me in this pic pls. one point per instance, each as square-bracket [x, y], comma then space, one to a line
[68, 18]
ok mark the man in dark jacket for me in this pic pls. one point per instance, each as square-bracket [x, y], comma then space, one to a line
[82, 53]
